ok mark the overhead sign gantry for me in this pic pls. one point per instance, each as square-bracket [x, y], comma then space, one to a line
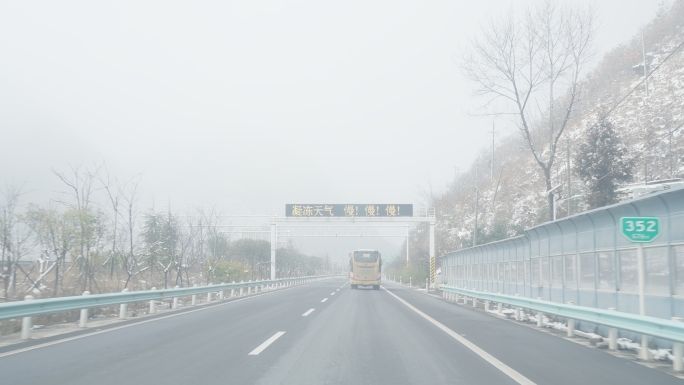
[353, 213]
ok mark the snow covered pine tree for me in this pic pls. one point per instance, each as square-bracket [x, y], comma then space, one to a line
[601, 164]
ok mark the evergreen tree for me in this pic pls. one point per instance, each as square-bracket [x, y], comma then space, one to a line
[601, 164]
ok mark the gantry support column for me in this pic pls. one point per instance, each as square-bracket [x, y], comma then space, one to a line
[274, 244]
[432, 255]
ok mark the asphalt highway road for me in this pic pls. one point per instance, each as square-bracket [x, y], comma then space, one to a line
[320, 333]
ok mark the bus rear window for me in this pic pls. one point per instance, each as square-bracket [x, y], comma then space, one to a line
[365, 256]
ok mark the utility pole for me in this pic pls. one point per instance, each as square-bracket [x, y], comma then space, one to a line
[477, 203]
[407, 245]
[567, 145]
[643, 52]
[458, 175]
[552, 208]
[670, 143]
[491, 165]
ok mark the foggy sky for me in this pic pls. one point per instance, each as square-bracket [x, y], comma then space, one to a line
[249, 104]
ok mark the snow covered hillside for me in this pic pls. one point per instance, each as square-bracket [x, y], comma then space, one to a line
[513, 198]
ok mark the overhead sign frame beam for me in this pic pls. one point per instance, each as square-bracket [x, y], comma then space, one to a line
[424, 215]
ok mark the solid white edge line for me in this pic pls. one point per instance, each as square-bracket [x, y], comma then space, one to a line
[308, 312]
[324, 299]
[44, 345]
[507, 370]
[266, 343]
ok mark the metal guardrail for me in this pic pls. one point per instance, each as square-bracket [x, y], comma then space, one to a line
[30, 308]
[651, 326]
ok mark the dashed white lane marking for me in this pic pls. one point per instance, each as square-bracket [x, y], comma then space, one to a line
[507, 370]
[308, 312]
[324, 299]
[337, 290]
[266, 343]
[333, 293]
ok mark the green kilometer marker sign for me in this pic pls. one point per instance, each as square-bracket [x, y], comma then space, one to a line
[640, 229]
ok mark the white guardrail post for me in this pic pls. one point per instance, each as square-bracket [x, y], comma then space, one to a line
[677, 352]
[123, 308]
[175, 301]
[499, 306]
[612, 335]
[427, 285]
[644, 353]
[540, 316]
[26, 322]
[571, 324]
[209, 297]
[83, 321]
[194, 297]
[232, 292]
[221, 293]
[153, 309]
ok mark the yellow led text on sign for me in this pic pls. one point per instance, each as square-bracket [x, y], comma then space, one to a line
[349, 210]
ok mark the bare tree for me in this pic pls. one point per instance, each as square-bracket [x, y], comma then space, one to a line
[7, 224]
[111, 187]
[80, 184]
[425, 193]
[530, 68]
[129, 193]
[186, 240]
[56, 233]
[14, 237]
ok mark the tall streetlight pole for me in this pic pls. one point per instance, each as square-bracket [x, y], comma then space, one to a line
[643, 52]
[553, 201]
[477, 203]
[567, 143]
[491, 161]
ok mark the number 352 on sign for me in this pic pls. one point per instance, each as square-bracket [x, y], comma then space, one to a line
[640, 229]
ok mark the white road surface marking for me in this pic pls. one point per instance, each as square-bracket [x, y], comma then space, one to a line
[266, 343]
[308, 312]
[324, 299]
[333, 293]
[507, 370]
